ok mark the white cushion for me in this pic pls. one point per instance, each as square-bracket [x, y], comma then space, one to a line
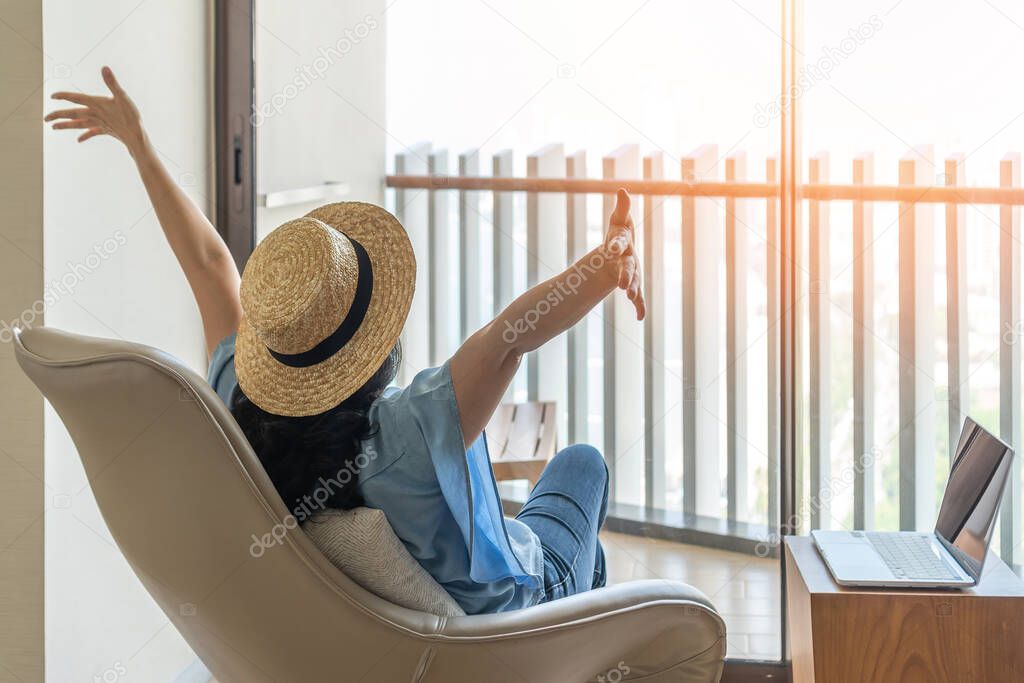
[361, 543]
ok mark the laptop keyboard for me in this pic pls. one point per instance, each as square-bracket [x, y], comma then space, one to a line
[910, 556]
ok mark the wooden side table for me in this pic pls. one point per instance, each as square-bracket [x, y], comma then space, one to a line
[839, 635]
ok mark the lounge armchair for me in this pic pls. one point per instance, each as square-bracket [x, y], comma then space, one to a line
[183, 495]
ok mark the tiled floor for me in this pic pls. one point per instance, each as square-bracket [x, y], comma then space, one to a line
[744, 588]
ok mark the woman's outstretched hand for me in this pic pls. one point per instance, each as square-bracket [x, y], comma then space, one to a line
[116, 116]
[202, 254]
[620, 246]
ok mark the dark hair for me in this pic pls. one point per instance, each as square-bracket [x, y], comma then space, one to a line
[306, 456]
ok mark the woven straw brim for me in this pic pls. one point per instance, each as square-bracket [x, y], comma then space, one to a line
[284, 390]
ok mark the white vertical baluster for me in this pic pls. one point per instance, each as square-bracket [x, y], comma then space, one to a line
[623, 365]
[576, 219]
[820, 409]
[503, 243]
[1009, 357]
[413, 210]
[701, 251]
[736, 265]
[471, 280]
[655, 358]
[863, 350]
[546, 258]
[956, 306]
[916, 356]
[442, 313]
[504, 240]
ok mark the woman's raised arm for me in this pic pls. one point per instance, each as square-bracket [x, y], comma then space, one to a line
[485, 364]
[200, 251]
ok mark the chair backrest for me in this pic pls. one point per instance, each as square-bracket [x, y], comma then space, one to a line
[523, 431]
[186, 500]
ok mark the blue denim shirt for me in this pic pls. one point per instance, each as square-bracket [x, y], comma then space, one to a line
[441, 499]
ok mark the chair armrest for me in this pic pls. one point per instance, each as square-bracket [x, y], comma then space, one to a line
[654, 630]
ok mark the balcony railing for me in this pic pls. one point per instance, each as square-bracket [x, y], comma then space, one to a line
[457, 291]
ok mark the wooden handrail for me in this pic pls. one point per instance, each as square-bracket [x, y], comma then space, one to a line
[583, 186]
[737, 190]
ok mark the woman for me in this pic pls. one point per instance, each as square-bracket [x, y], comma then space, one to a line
[311, 333]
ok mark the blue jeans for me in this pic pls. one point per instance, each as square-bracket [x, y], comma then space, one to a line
[566, 510]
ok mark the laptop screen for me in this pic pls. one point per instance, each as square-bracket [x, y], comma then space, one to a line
[975, 487]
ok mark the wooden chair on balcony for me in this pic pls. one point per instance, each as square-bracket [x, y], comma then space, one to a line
[521, 439]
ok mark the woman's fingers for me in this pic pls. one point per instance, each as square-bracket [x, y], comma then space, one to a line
[620, 226]
[115, 116]
[77, 113]
[617, 241]
[76, 123]
[626, 272]
[641, 307]
[76, 97]
[91, 133]
[621, 211]
[108, 77]
[633, 289]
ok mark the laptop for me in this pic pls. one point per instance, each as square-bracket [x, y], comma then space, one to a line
[953, 555]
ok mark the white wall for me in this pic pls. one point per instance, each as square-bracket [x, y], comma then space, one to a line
[320, 101]
[103, 243]
[91, 246]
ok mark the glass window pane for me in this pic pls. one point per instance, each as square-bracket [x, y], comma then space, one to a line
[914, 82]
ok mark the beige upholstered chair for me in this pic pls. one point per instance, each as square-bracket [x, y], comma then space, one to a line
[183, 495]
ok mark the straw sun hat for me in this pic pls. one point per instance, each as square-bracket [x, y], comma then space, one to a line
[324, 299]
